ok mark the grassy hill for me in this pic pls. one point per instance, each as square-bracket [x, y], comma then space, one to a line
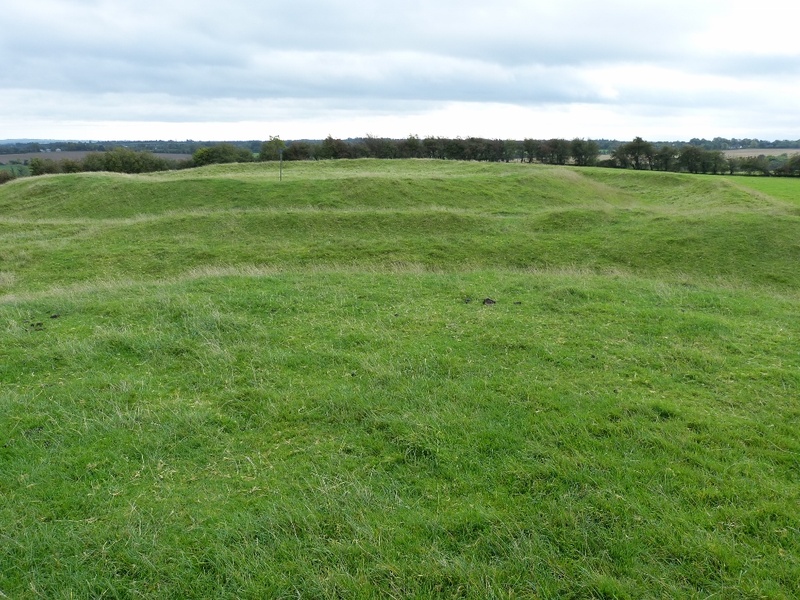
[217, 384]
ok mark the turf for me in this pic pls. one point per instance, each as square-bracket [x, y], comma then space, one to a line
[217, 384]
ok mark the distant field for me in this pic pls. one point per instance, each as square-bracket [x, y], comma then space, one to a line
[742, 152]
[400, 379]
[18, 170]
[6, 158]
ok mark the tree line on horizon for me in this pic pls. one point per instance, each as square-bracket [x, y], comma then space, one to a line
[637, 154]
[640, 154]
[191, 146]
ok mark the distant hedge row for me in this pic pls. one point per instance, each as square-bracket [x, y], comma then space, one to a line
[640, 154]
[637, 154]
[125, 160]
[191, 146]
[119, 160]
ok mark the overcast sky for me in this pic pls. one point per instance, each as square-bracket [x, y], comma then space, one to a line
[250, 69]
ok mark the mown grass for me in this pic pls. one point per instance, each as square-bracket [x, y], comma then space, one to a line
[773, 187]
[245, 388]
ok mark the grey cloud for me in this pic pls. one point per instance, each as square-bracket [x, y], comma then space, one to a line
[200, 34]
[176, 59]
[326, 75]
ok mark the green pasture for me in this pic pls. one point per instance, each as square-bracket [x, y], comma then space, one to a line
[399, 379]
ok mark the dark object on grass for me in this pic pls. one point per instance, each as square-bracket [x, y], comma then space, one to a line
[55, 316]
[487, 301]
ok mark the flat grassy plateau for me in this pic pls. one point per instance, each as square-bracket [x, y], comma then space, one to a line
[215, 384]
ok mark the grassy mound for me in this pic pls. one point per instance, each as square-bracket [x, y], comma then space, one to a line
[216, 384]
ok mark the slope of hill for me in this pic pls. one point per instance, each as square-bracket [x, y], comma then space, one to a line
[402, 378]
[440, 216]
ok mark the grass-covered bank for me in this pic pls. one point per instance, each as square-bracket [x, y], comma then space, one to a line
[64, 230]
[258, 422]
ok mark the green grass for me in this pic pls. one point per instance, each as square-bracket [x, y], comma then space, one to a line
[215, 384]
[16, 170]
[784, 188]
[57, 231]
